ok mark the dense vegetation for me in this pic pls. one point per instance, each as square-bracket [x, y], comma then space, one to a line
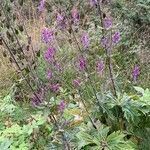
[74, 75]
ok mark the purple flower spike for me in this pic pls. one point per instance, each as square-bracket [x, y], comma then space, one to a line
[85, 40]
[47, 35]
[82, 63]
[49, 74]
[49, 54]
[62, 106]
[105, 42]
[116, 37]
[41, 5]
[37, 98]
[93, 3]
[55, 88]
[107, 23]
[76, 82]
[135, 72]
[61, 21]
[100, 66]
[75, 15]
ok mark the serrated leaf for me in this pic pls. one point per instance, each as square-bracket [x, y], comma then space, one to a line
[84, 139]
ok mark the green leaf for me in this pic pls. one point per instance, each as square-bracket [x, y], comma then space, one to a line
[139, 89]
[5, 144]
[84, 139]
[116, 142]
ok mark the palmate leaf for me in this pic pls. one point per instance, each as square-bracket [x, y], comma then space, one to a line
[145, 99]
[101, 139]
[130, 112]
[129, 107]
[92, 138]
[102, 133]
[116, 141]
[84, 139]
[132, 108]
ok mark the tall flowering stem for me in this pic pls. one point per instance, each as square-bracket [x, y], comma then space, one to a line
[107, 50]
[114, 39]
[86, 69]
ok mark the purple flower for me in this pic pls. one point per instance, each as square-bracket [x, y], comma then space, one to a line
[107, 23]
[49, 54]
[100, 66]
[41, 5]
[62, 106]
[82, 63]
[49, 74]
[76, 82]
[116, 37]
[47, 35]
[75, 15]
[105, 42]
[61, 21]
[93, 3]
[37, 98]
[55, 87]
[85, 40]
[135, 72]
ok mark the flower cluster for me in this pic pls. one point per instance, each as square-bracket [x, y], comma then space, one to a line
[61, 21]
[116, 37]
[100, 66]
[37, 98]
[62, 106]
[85, 40]
[106, 41]
[41, 5]
[47, 35]
[55, 87]
[75, 15]
[82, 63]
[49, 54]
[135, 72]
[107, 23]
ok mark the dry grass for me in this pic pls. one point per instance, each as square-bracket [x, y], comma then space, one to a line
[7, 73]
[8, 70]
